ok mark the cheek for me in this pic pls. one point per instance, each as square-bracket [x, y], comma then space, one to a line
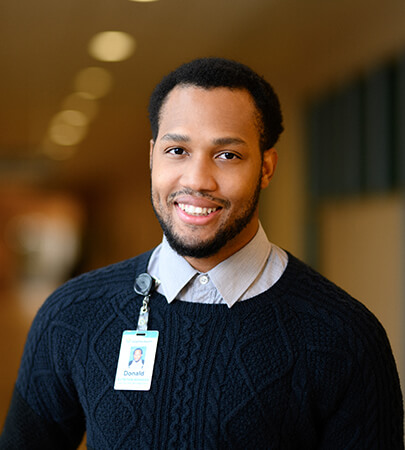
[161, 188]
[162, 175]
[244, 185]
[158, 180]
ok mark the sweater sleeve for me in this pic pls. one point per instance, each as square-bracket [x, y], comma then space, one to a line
[369, 412]
[45, 410]
[24, 428]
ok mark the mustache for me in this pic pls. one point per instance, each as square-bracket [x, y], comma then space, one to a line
[200, 194]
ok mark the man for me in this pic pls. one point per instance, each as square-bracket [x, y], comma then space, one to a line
[136, 362]
[255, 351]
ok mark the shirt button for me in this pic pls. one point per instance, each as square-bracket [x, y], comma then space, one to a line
[204, 279]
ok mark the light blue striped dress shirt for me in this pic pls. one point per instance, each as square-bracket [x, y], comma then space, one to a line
[249, 272]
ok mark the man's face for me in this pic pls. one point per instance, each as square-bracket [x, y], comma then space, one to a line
[137, 355]
[207, 171]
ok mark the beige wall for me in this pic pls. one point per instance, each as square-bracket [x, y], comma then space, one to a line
[362, 246]
[284, 202]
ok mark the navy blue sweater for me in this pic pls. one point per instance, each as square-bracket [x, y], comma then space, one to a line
[301, 366]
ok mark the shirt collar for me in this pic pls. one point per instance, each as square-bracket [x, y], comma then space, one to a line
[174, 271]
[232, 277]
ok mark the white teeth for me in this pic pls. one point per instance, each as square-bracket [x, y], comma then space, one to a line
[196, 210]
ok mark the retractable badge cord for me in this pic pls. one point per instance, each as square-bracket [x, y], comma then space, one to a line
[138, 347]
[144, 285]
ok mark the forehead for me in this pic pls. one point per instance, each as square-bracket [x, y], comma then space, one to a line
[220, 107]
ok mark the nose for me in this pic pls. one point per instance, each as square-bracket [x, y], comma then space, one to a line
[200, 174]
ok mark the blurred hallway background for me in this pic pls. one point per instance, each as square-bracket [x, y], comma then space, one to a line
[74, 140]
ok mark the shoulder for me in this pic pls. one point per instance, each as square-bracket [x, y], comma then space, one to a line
[347, 351]
[79, 307]
[310, 293]
[75, 300]
[326, 319]
[113, 276]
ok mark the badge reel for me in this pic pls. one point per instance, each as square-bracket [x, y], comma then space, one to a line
[144, 285]
[138, 347]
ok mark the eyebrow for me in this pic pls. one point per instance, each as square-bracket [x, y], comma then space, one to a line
[228, 141]
[217, 141]
[175, 137]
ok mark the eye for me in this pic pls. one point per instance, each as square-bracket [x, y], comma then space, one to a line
[177, 151]
[228, 156]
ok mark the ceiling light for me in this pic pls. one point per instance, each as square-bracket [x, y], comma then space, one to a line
[83, 102]
[68, 127]
[111, 46]
[66, 134]
[96, 82]
[71, 117]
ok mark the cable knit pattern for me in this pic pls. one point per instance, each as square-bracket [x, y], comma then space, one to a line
[301, 366]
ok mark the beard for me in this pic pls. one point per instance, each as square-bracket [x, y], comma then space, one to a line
[226, 232]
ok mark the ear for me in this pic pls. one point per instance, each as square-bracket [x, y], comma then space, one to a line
[151, 145]
[270, 158]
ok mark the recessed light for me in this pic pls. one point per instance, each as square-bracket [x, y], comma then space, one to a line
[112, 46]
[71, 117]
[81, 101]
[66, 134]
[96, 82]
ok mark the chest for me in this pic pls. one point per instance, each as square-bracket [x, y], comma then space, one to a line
[210, 387]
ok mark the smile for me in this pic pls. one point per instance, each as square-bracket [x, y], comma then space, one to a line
[196, 210]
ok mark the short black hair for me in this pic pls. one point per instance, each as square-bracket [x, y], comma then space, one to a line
[209, 73]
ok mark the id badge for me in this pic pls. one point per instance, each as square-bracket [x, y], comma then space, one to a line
[136, 360]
